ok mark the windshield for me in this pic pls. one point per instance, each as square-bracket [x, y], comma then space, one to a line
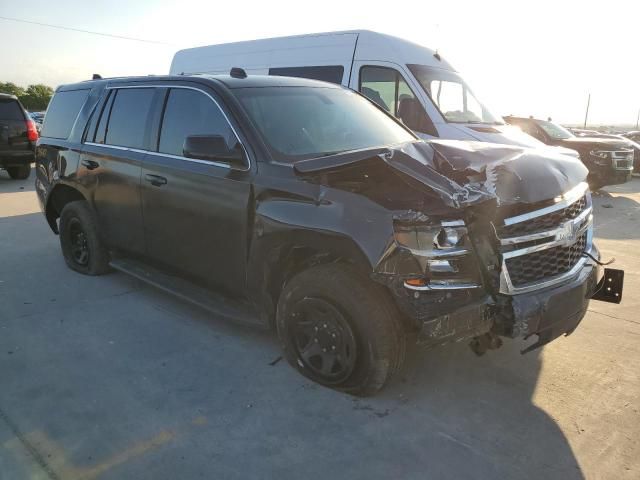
[304, 122]
[452, 96]
[554, 130]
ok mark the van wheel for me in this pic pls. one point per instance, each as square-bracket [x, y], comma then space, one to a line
[20, 172]
[82, 249]
[340, 329]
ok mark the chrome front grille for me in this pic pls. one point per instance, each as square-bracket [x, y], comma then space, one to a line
[546, 246]
[623, 159]
[538, 266]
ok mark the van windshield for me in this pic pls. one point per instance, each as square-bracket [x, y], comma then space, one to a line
[453, 97]
[298, 123]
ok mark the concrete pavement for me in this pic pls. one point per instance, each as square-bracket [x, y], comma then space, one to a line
[107, 378]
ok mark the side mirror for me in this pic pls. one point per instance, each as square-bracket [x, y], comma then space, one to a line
[213, 148]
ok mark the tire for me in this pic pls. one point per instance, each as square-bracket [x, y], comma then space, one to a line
[81, 246]
[340, 329]
[20, 172]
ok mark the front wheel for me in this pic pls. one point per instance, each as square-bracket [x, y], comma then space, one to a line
[21, 172]
[340, 329]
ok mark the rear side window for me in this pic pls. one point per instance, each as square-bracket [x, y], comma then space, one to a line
[189, 112]
[10, 110]
[62, 113]
[328, 73]
[129, 117]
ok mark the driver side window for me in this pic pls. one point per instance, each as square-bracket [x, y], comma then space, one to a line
[388, 88]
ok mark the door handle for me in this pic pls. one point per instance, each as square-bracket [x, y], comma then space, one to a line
[90, 164]
[155, 180]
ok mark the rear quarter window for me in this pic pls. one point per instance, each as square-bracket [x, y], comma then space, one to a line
[10, 110]
[62, 113]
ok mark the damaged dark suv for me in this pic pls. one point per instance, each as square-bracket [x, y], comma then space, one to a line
[301, 205]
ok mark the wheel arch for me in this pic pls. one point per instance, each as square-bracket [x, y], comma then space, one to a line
[58, 198]
[276, 260]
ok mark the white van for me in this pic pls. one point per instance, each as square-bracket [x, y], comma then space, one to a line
[412, 82]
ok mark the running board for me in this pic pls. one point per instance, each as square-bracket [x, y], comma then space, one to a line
[209, 300]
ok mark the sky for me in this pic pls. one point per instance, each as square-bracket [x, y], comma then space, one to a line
[538, 58]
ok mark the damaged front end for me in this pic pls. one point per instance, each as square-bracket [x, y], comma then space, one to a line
[509, 254]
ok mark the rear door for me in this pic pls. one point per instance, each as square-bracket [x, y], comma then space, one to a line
[111, 163]
[196, 211]
[13, 127]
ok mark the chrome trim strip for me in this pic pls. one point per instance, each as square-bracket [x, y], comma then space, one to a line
[566, 199]
[148, 152]
[545, 246]
[555, 233]
[206, 162]
[441, 286]
[438, 254]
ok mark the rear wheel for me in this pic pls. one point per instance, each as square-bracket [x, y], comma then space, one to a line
[20, 172]
[81, 246]
[340, 329]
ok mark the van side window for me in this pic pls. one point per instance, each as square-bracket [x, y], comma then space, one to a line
[327, 73]
[129, 117]
[62, 113]
[189, 112]
[388, 88]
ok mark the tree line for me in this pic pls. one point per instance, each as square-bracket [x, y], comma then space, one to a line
[34, 97]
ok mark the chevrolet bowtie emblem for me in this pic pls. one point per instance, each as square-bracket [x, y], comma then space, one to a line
[567, 233]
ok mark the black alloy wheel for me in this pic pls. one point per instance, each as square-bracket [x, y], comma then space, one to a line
[323, 339]
[79, 243]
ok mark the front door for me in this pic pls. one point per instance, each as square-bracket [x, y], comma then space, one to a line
[196, 211]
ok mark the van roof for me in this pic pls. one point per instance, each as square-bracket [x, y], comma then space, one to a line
[326, 48]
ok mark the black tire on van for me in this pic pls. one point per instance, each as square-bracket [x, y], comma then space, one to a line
[21, 172]
[81, 246]
[341, 329]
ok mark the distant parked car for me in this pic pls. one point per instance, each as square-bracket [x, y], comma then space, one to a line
[18, 136]
[609, 160]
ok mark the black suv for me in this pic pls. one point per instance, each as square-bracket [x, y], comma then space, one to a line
[609, 160]
[18, 136]
[303, 206]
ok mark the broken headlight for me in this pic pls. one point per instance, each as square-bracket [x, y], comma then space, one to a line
[441, 252]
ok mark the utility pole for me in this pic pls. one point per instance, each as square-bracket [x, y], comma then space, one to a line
[587, 112]
[638, 119]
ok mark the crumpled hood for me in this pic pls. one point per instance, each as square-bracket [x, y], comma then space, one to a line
[468, 173]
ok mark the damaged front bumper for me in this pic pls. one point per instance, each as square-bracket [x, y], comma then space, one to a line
[467, 314]
[535, 277]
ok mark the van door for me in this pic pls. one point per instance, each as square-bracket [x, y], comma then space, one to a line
[386, 84]
[196, 211]
[111, 163]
